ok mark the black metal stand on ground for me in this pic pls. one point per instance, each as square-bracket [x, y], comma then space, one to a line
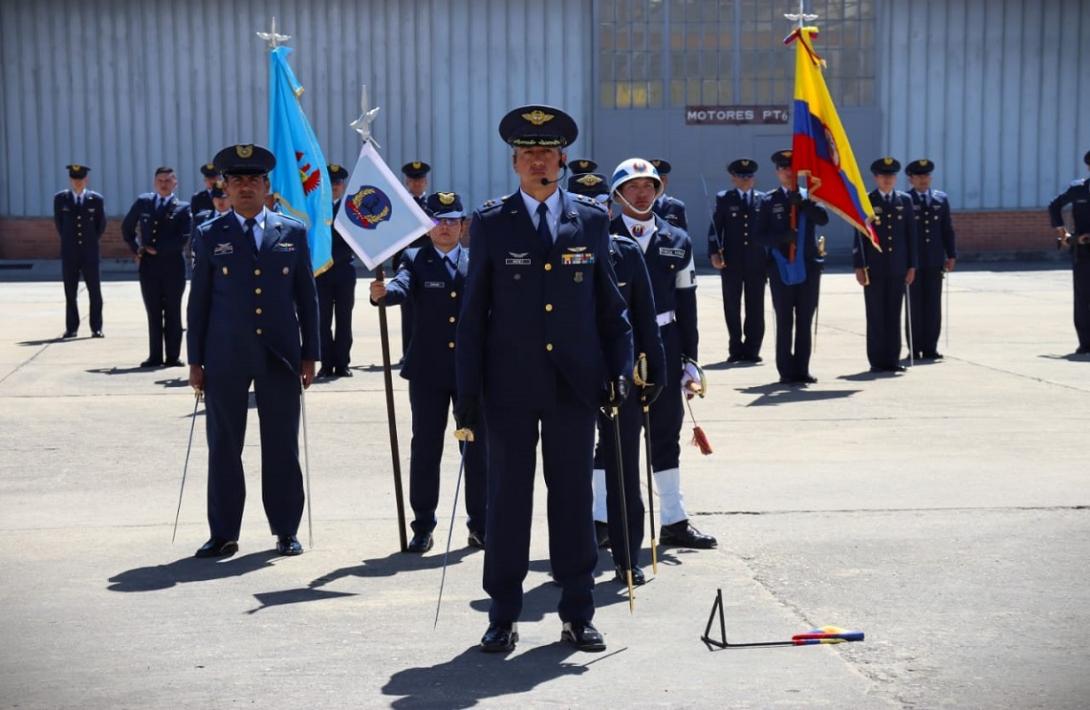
[711, 643]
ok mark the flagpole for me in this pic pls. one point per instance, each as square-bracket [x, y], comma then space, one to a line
[362, 126]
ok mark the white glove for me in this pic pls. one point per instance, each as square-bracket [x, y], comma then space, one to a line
[689, 375]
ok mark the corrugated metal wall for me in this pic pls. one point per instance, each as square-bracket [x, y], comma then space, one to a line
[997, 92]
[125, 86]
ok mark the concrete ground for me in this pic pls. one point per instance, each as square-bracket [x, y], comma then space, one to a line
[943, 512]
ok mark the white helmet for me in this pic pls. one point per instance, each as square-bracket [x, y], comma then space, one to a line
[633, 169]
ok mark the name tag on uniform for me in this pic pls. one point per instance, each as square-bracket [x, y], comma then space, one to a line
[777, 208]
[435, 284]
[877, 209]
[517, 259]
[900, 207]
[284, 246]
[580, 259]
[670, 251]
[223, 248]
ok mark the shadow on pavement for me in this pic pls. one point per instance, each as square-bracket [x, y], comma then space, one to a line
[868, 376]
[120, 370]
[724, 365]
[189, 569]
[47, 341]
[472, 676]
[776, 393]
[1070, 357]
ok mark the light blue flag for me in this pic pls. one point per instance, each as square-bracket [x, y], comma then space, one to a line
[378, 216]
[301, 179]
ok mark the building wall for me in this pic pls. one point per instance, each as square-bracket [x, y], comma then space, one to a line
[125, 86]
[997, 92]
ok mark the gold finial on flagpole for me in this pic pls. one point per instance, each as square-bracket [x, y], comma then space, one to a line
[272, 37]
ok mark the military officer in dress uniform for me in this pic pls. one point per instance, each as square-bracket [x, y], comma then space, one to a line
[582, 167]
[668, 252]
[202, 199]
[164, 224]
[884, 274]
[635, 286]
[80, 217]
[741, 260]
[1077, 195]
[416, 181]
[669, 208]
[221, 205]
[795, 303]
[937, 254]
[542, 343]
[434, 277]
[337, 292]
[253, 317]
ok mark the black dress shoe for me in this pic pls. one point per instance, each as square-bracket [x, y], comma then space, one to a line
[788, 381]
[807, 379]
[342, 372]
[174, 363]
[682, 534]
[755, 359]
[323, 373]
[97, 334]
[217, 547]
[500, 638]
[288, 545]
[420, 543]
[69, 334]
[898, 368]
[736, 358]
[601, 532]
[151, 363]
[1083, 351]
[583, 636]
[932, 356]
[476, 539]
[621, 577]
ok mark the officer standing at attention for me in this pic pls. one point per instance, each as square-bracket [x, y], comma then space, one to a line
[202, 199]
[253, 317]
[80, 217]
[416, 181]
[164, 225]
[1077, 195]
[434, 277]
[741, 260]
[937, 255]
[635, 286]
[337, 292]
[668, 253]
[777, 228]
[884, 274]
[669, 208]
[543, 342]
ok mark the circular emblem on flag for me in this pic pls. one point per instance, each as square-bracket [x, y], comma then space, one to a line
[369, 207]
[834, 153]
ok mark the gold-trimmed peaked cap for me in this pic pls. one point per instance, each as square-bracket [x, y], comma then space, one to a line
[923, 166]
[781, 158]
[244, 159]
[209, 170]
[582, 166]
[743, 167]
[415, 169]
[337, 172]
[887, 165]
[444, 205]
[538, 125]
[77, 171]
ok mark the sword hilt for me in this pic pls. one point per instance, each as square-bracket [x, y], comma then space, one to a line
[464, 434]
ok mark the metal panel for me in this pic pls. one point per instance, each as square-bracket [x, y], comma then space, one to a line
[995, 92]
[125, 85]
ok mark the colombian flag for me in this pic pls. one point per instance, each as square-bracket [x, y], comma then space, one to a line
[820, 148]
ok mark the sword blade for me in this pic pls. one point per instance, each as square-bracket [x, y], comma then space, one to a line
[185, 468]
[306, 465]
[450, 534]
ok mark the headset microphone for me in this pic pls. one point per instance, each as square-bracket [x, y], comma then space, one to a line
[563, 172]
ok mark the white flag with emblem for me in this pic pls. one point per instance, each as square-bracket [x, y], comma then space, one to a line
[378, 216]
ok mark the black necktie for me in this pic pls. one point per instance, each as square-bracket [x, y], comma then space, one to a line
[451, 268]
[543, 227]
[250, 224]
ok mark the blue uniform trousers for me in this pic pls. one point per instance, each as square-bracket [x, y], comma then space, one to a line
[430, 406]
[795, 306]
[336, 298]
[1081, 278]
[605, 457]
[567, 446]
[162, 283]
[72, 267]
[748, 284]
[883, 298]
[226, 400]
[668, 411]
[926, 295]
